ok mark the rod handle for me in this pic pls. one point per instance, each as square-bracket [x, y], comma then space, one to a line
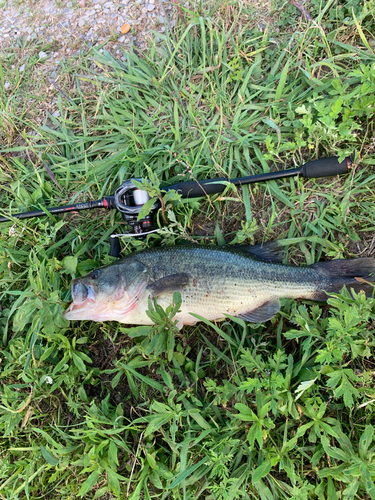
[326, 167]
[115, 248]
[192, 189]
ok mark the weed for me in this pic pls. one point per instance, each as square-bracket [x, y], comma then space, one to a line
[223, 411]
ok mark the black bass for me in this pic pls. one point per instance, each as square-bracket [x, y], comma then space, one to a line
[213, 282]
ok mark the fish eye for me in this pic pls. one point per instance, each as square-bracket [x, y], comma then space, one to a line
[95, 274]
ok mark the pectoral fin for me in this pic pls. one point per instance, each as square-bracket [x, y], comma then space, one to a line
[173, 283]
[263, 313]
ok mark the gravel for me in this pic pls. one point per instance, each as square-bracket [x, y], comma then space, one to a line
[93, 21]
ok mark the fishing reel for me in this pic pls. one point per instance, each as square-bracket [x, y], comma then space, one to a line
[129, 200]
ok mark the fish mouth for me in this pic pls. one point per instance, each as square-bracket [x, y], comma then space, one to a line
[87, 306]
[81, 292]
[82, 296]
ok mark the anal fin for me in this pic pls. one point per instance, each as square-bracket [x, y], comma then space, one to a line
[262, 313]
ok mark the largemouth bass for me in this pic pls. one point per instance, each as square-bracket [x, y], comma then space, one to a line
[213, 282]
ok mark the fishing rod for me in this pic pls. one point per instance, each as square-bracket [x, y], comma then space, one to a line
[129, 200]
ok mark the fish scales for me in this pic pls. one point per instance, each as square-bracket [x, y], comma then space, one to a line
[228, 283]
[213, 282]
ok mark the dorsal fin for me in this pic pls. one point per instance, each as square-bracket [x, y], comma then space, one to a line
[271, 251]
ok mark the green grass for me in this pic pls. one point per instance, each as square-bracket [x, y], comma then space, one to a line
[282, 410]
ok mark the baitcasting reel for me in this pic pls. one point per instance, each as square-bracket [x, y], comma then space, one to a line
[129, 200]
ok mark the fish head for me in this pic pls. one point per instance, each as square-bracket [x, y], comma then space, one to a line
[107, 293]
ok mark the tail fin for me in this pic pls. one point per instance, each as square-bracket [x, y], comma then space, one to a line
[358, 274]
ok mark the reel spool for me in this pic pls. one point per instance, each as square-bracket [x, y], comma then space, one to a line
[129, 200]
